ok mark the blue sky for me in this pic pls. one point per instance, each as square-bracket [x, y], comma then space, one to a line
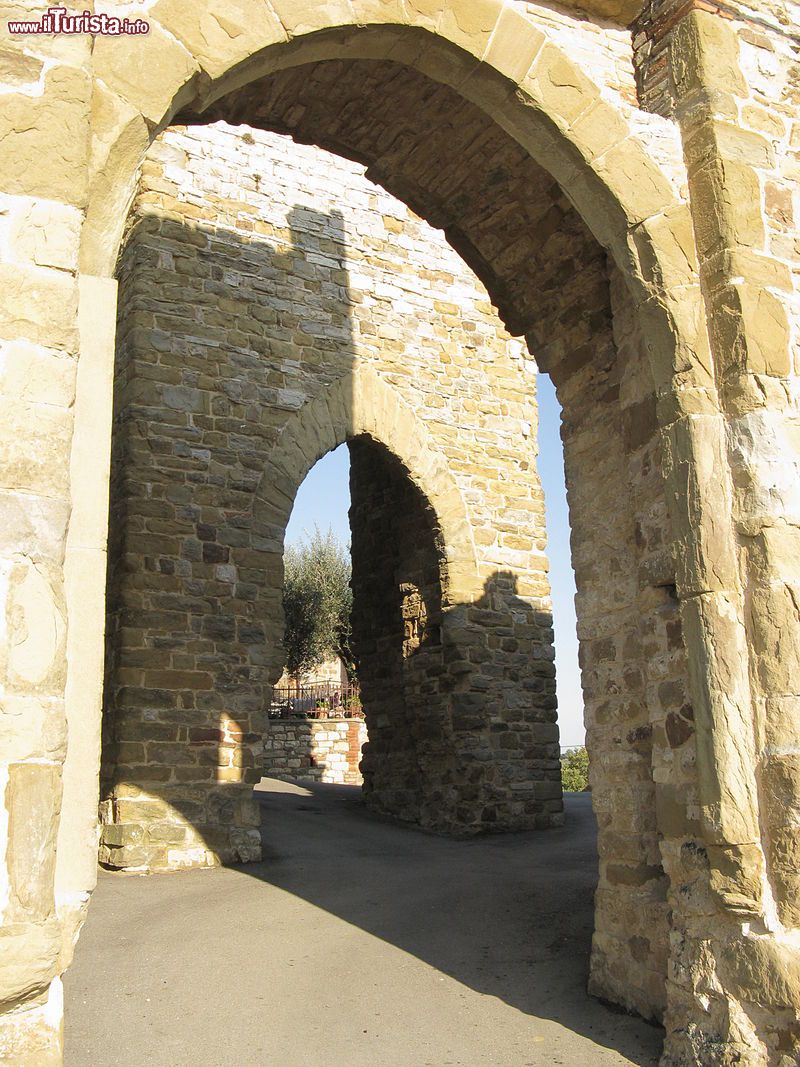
[324, 498]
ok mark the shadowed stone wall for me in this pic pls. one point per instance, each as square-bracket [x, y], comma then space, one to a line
[409, 763]
[459, 701]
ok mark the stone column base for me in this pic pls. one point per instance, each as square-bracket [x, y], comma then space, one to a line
[32, 1035]
[147, 834]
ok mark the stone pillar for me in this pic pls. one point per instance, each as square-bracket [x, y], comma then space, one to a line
[459, 698]
[733, 156]
[43, 180]
[729, 82]
[85, 573]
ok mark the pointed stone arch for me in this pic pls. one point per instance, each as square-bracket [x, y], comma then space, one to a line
[490, 53]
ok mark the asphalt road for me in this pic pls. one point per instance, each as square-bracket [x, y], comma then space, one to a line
[356, 943]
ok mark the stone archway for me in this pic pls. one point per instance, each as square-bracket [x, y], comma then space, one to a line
[611, 341]
[631, 903]
[556, 114]
[244, 356]
[500, 59]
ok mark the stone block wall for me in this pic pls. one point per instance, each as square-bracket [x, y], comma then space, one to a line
[315, 750]
[274, 303]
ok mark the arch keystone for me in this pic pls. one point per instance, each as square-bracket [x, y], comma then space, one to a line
[470, 24]
[382, 12]
[299, 17]
[427, 14]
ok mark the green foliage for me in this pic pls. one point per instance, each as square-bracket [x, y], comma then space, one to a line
[575, 770]
[317, 601]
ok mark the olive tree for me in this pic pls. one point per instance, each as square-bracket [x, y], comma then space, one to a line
[317, 602]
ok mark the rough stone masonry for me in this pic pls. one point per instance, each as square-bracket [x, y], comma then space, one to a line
[274, 303]
[622, 179]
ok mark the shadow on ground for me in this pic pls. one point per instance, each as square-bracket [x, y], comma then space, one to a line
[356, 942]
[510, 916]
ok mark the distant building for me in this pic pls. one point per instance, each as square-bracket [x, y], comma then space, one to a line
[332, 671]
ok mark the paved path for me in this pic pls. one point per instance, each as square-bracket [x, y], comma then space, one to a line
[355, 944]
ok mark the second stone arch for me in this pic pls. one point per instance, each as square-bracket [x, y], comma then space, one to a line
[246, 353]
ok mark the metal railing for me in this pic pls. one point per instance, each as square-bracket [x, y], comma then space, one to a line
[325, 700]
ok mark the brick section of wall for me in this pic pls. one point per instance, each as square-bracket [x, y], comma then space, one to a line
[651, 40]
